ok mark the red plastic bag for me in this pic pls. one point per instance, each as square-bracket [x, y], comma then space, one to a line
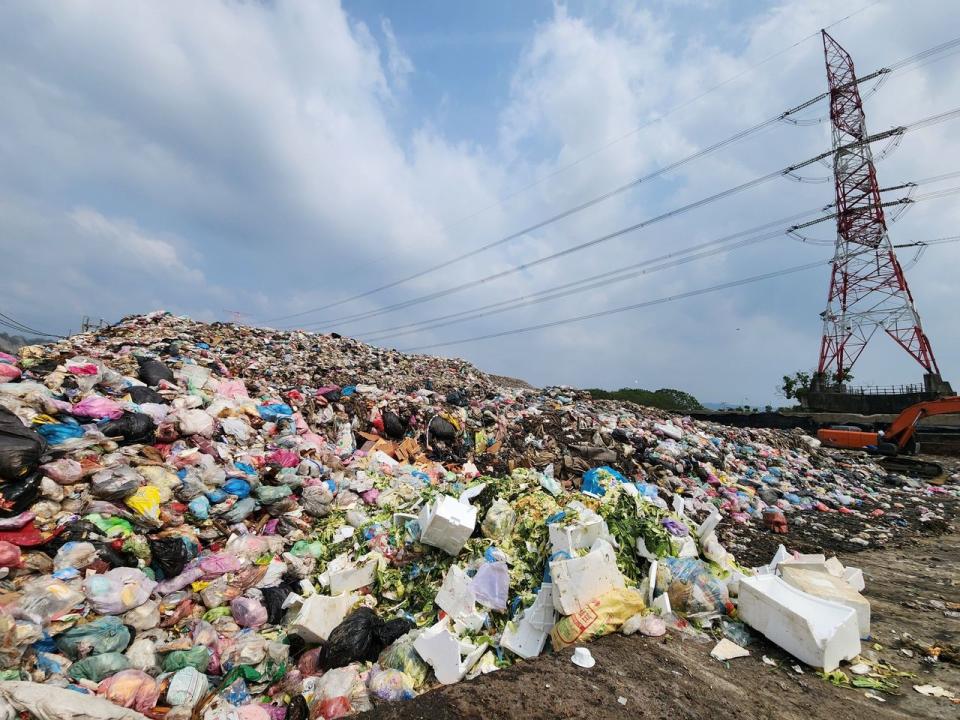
[335, 707]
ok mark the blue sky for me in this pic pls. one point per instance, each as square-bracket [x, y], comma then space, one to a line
[277, 157]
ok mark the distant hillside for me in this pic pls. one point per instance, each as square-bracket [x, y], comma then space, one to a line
[12, 343]
[664, 398]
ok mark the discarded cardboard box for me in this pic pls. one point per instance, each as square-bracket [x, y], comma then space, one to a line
[818, 632]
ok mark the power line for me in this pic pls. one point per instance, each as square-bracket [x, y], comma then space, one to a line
[13, 324]
[621, 274]
[616, 191]
[626, 308]
[925, 122]
[647, 303]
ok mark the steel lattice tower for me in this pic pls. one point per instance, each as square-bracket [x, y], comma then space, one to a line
[868, 289]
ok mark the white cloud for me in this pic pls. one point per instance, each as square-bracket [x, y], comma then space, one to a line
[226, 153]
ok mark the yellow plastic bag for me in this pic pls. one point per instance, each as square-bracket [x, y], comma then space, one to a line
[146, 501]
[602, 616]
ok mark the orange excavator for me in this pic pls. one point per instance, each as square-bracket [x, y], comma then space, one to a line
[899, 438]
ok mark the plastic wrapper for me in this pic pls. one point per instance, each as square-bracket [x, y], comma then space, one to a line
[692, 588]
[74, 555]
[142, 655]
[248, 612]
[402, 656]
[118, 590]
[491, 585]
[389, 684]
[600, 617]
[115, 483]
[63, 471]
[187, 686]
[47, 598]
[499, 521]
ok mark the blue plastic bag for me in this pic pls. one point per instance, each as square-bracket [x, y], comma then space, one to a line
[56, 433]
[238, 487]
[597, 480]
[274, 411]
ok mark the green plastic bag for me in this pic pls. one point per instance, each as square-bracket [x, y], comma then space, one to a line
[98, 667]
[103, 635]
[196, 657]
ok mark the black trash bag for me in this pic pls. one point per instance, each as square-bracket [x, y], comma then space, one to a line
[458, 398]
[393, 426]
[332, 395]
[131, 427]
[115, 559]
[169, 555]
[442, 429]
[360, 637]
[15, 497]
[153, 371]
[298, 646]
[273, 598]
[20, 447]
[141, 394]
[298, 709]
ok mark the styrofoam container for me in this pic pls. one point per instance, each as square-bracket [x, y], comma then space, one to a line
[577, 581]
[570, 538]
[826, 586]
[443, 651]
[818, 632]
[447, 524]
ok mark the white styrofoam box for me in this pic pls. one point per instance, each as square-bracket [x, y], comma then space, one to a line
[319, 615]
[670, 430]
[442, 650]
[818, 632]
[826, 586]
[577, 581]
[447, 524]
[527, 637]
[570, 538]
[345, 575]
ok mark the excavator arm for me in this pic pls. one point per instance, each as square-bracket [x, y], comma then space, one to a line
[905, 425]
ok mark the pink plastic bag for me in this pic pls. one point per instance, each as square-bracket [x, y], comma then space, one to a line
[232, 389]
[9, 554]
[7, 357]
[131, 689]
[213, 566]
[63, 471]
[248, 612]
[284, 458]
[8, 372]
[97, 406]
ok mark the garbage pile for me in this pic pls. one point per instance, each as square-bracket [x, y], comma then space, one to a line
[223, 521]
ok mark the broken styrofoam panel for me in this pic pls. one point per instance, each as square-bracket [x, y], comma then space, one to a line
[344, 575]
[577, 581]
[447, 524]
[444, 652]
[826, 586]
[728, 650]
[458, 600]
[320, 614]
[527, 636]
[818, 632]
[854, 578]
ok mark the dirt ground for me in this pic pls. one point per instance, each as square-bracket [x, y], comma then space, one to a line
[674, 678]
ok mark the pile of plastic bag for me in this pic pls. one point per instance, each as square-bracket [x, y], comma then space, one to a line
[219, 521]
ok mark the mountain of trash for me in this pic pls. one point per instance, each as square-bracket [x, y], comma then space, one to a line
[221, 521]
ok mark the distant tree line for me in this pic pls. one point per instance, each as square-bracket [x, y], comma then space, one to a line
[664, 398]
